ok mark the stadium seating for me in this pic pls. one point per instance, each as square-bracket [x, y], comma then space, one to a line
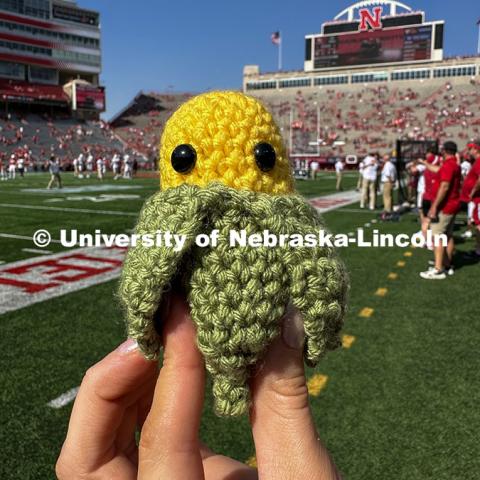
[140, 124]
[65, 137]
[366, 117]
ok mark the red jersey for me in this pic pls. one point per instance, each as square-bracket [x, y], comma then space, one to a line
[470, 181]
[451, 172]
[431, 179]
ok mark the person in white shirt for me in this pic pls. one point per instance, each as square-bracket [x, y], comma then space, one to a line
[116, 166]
[339, 172]
[389, 178]
[12, 168]
[3, 173]
[80, 165]
[127, 166]
[466, 166]
[89, 165]
[21, 166]
[100, 166]
[314, 166]
[369, 183]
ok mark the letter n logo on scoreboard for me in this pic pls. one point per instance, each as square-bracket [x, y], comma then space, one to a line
[368, 20]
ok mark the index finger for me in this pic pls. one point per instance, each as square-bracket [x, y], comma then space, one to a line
[169, 442]
[107, 390]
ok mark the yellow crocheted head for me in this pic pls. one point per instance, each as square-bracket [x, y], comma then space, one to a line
[224, 129]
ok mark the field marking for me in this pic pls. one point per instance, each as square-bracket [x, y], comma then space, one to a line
[23, 237]
[34, 280]
[64, 399]
[381, 292]
[334, 201]
[70, 210]
[316, 384]
[252, 461]
[107, 187]
[366, 312]
[392, 276]
[348, 341]
[401, 264]
[408, 254]
[34, 250]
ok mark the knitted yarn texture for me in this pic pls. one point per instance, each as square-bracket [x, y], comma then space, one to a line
[214, 175]
[237, 295]
[223, 128]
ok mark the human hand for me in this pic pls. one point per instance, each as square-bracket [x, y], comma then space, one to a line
[124, 393]
[121, 394]
[432, 213]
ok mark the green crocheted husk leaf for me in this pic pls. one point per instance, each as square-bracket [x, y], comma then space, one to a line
[237, 295]
[148, 271]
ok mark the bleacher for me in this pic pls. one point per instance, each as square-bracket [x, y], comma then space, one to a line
[355, 119]
[65, 137]
[140, 124]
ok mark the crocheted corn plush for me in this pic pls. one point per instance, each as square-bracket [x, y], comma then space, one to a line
[223, 167]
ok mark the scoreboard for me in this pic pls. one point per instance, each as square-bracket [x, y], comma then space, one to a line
[373, 47]
[88, 97]
[371, 36]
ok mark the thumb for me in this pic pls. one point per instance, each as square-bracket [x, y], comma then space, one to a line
[284, 432]
[279, 383]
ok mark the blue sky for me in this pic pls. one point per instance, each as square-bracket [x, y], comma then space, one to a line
[198, 45]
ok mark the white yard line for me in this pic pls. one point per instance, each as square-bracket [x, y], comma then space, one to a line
[34, 250]
[63, 399]
[74, 210]
[23, 237]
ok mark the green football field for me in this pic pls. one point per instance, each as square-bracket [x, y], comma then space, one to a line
[398, 401]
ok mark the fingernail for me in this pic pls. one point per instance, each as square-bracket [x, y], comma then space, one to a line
[293, 333]
[128, 346]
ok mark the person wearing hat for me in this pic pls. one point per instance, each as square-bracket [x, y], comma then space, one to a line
[443, 211]
[471, 191]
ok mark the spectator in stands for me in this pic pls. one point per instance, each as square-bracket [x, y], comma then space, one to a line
[54, 169]
[339, 172]
[369, 183]
[389, 178]
[443, 211]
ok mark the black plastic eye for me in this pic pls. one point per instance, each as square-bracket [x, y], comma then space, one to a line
[183, 158]
[265, 156]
